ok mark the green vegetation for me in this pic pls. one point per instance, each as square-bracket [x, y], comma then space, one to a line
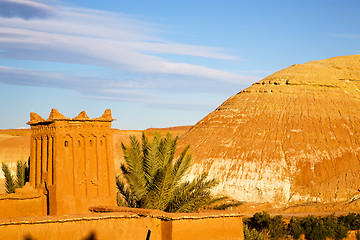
[351, 221]
[152, 178]
[253, 234]
[22, 173]
[262, 225]
[9, 179]
[274, 227]
[22, 176]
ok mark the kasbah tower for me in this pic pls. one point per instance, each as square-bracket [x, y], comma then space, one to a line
[72, 162]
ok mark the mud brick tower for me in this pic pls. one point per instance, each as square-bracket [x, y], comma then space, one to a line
[71, 161]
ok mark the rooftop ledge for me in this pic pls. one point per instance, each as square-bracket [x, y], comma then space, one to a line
[165, 215]
[105, 212]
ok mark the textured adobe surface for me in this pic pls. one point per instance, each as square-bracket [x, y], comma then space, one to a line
[291, 137]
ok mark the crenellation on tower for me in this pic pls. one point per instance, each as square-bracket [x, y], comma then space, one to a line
[71, 161]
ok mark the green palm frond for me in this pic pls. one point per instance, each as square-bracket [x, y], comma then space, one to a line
[152, 178]
[181, 166]
[160, 190]
[9, 179]
[124, 169]
[21, 168]
[151, 157]
[167, 149]
[134, 165]
[126, 197]
[194, 195]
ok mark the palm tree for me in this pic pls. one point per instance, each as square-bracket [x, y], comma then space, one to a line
[22, 173]
[22, 176]
[152, 178]
[9, 179]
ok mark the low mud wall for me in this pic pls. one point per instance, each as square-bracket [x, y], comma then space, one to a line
[21, 205]
[149, 225]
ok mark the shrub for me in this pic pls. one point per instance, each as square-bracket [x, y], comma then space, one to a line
[351, 221]
[277, 227]
[294, 228]
[263, 222]
[260, 221]
[317, 228]
[329, 227]
[334, 228]
[253, 234]
[314, 228]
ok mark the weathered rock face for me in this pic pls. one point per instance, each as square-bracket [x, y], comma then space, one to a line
[291, 137]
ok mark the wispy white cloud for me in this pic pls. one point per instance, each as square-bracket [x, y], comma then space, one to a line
[26, 77]
[146, 92]
[9, 75]
[344, 35]
[78, 35]
[25, 9]
[92, 88]
[117, 42]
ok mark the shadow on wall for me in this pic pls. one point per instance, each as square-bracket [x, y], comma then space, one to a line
[90, 236]
[148, 235]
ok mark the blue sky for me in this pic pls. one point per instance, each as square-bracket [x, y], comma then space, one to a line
[156, 63]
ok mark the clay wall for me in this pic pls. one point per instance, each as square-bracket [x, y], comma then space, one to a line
[20, 205]
[206, 228]
[122, 225]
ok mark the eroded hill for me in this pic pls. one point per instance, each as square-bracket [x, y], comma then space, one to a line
[292, 137]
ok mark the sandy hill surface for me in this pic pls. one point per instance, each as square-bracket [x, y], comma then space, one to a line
[179, 128]
[14, 145]
[293, 137]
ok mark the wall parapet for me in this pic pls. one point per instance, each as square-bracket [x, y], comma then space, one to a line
[24, 202]
[19, 196]
[129, 224]
[166, 215]
[64, 218]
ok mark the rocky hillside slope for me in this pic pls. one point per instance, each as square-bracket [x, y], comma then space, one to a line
[292, 137]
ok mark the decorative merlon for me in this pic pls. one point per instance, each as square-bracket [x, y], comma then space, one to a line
[55, 115]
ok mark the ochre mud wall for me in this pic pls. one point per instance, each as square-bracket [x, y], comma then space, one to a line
[207, 228]
[123, 225]
[20, 205]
